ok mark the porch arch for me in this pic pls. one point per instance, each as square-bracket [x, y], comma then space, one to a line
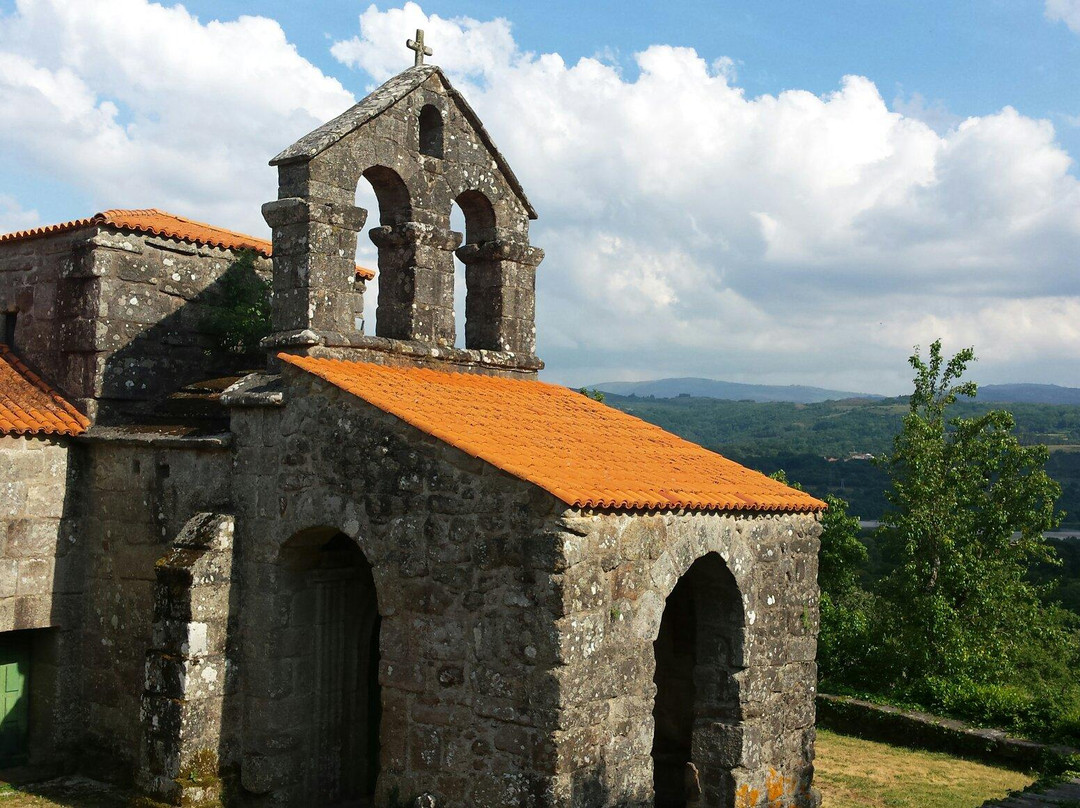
[697, 713]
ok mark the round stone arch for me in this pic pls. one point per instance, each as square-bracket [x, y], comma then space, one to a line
[397, 250]
[333, 630]
[483, 278]
[699, 630]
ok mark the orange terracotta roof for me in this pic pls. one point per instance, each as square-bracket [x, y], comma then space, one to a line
[167, 225]
[29, 406]
[581, 451]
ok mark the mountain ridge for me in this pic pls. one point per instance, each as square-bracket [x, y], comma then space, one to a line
[729, 391]
[698, 387]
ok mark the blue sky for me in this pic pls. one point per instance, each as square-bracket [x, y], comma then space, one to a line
[968, 57]
[716, 198]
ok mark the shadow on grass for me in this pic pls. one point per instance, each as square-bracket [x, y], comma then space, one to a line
[66, 792]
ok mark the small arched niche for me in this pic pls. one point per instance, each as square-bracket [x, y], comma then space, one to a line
[482, 277]
[698, 651]
[431, 131]
[334, 618]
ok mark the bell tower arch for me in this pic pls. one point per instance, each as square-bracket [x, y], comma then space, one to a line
[423, 149]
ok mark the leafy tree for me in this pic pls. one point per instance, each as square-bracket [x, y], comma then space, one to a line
[595, 395]
[968, 508]
[843, 554]
[241, 317]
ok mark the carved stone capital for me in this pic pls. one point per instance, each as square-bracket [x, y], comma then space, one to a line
[500, 250]
[295, 210]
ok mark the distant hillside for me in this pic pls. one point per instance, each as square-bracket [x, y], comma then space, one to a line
[729, 391]
[822, 445]
[1029, 393]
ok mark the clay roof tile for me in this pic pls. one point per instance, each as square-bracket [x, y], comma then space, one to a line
[29, 406]
[586, 454]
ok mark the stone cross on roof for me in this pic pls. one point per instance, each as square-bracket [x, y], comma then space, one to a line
[418, 46]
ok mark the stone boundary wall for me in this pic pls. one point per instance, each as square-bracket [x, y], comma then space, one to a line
[877, 722]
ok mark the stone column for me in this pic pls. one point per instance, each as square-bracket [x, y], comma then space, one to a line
[416, 282]
[187, 669]
[315, 284]
[500, 312]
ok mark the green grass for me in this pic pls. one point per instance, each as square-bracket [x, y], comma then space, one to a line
[853, 773]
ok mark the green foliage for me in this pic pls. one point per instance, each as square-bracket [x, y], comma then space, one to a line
[969, 505]
[848, 612]
[595, 395]
[814, 442]
[241, 316]
[842, 553]
[943, 610]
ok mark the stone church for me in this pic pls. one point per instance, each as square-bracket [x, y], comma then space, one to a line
[374, 570]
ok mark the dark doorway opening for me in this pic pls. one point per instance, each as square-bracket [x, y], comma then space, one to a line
[698, 651]
[336, 605]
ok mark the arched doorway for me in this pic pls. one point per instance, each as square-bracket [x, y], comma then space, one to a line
[334, 610]
[698, 652]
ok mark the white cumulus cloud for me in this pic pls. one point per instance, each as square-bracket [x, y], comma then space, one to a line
[13, 217]
[690, 228]
[140, 104]
[1066, 11]
[693, 229]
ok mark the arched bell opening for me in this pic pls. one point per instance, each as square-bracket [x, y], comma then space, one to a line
[482, 276]
[335, 625]
[392, 287]
[698, 652]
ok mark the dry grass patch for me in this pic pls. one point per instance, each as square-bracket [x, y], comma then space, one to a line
[853, 773]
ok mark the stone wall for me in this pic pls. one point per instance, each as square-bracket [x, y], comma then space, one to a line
[35, 535]
[459, 553]
[41, 281]
[40, 577]
[753, 725]
[189, 673]
[517, 638]
[115, 318]
[137, 496]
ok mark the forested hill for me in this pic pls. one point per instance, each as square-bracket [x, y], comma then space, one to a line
[819, 444]
[1029, 393]
[732, 391]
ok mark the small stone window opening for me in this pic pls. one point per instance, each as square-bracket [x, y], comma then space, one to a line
[9, 328]
[431, 131]
[457, 224]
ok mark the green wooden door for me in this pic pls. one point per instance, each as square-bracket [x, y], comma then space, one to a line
[14, 699]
